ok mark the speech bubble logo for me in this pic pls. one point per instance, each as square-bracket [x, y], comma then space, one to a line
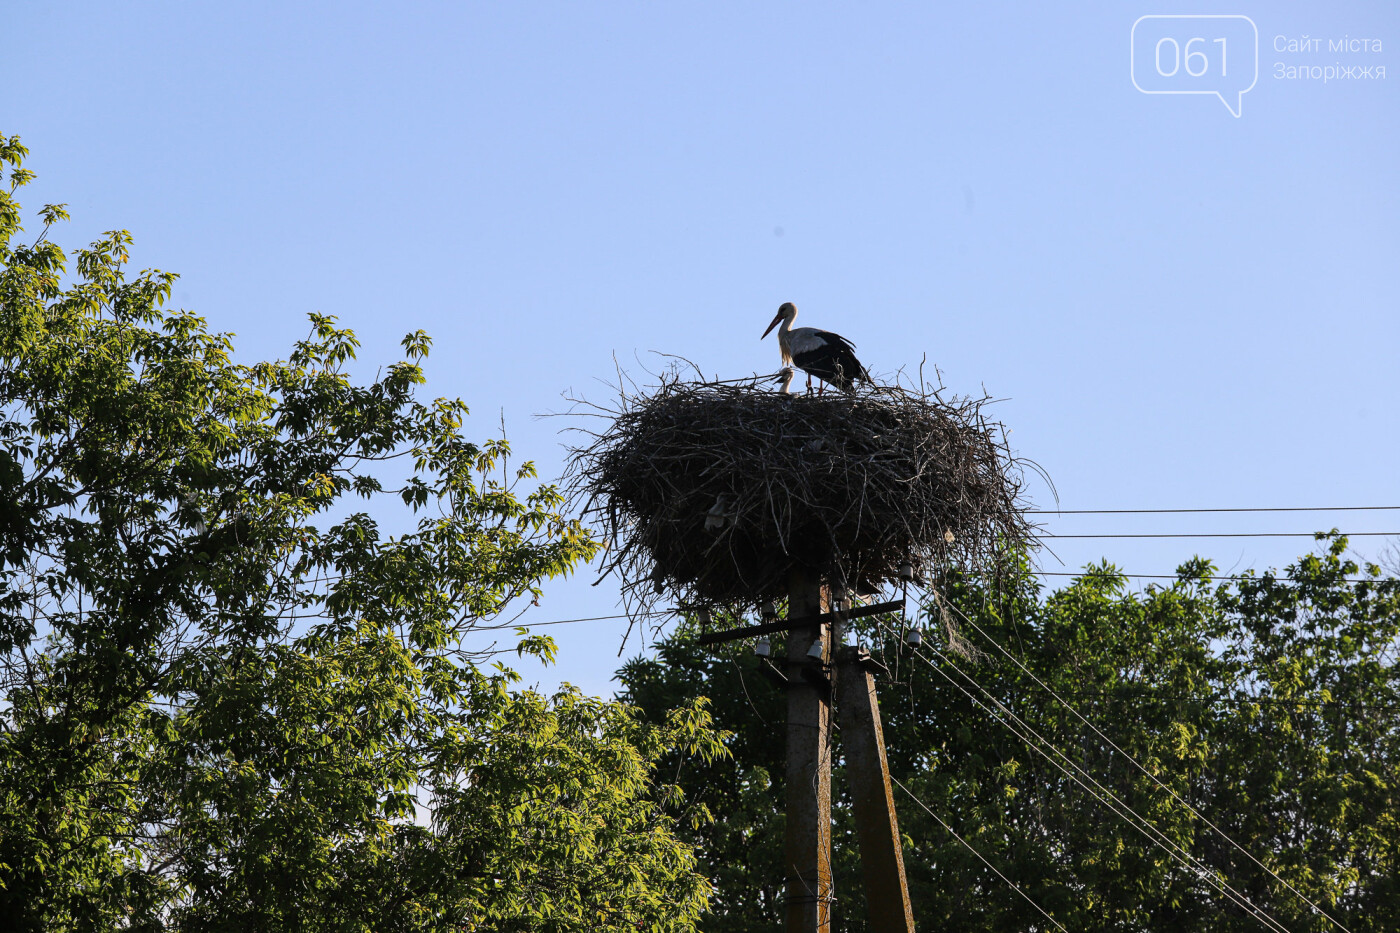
[1184, 54]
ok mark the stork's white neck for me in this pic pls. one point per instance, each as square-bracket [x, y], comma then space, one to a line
[785, 337]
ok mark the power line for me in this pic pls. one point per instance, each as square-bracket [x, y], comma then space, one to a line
[527, 624]
[1175, 576]
[1335, 508]
[952, 832]
[1039, 573]
[1103, 794]
[1215, 700]
[1244, 534]
[1197, 813]
[1115, 805]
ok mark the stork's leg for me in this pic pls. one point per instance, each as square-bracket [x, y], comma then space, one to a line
[809, 383]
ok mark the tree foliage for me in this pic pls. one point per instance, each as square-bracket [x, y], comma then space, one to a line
[230, 701]
[1270, 704]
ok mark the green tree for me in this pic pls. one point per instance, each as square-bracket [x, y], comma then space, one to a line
[741, 851]
[1269, 704]
[229, 700]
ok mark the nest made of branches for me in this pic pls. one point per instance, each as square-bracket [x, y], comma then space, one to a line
[717, 491]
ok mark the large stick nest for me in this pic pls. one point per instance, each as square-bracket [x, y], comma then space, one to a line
[718, 491]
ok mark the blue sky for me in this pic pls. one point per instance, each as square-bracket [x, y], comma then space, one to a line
[1181, 308]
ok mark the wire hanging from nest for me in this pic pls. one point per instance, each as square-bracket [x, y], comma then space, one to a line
[717, 491]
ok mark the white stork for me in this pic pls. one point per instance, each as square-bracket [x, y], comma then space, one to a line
[830, 357]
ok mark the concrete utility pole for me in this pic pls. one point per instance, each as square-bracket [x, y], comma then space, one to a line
[808, 831]
[872, 798]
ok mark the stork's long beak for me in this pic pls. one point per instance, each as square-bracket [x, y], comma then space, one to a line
[773, 325]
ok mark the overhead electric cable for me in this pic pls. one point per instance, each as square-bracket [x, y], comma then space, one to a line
[1177, 576]
[1290, 508]
[1198, 814]
[1103, 794]
[1240, 534]
[952, 832]
[527, 624]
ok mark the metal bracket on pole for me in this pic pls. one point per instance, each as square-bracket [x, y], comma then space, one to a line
[787, 625]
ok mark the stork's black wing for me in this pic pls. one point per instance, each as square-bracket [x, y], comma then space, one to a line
[833, 361]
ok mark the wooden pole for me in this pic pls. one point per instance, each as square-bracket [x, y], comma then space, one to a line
[808, 829]
[872, 797]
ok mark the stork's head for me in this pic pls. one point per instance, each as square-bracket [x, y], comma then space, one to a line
[786, 312]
